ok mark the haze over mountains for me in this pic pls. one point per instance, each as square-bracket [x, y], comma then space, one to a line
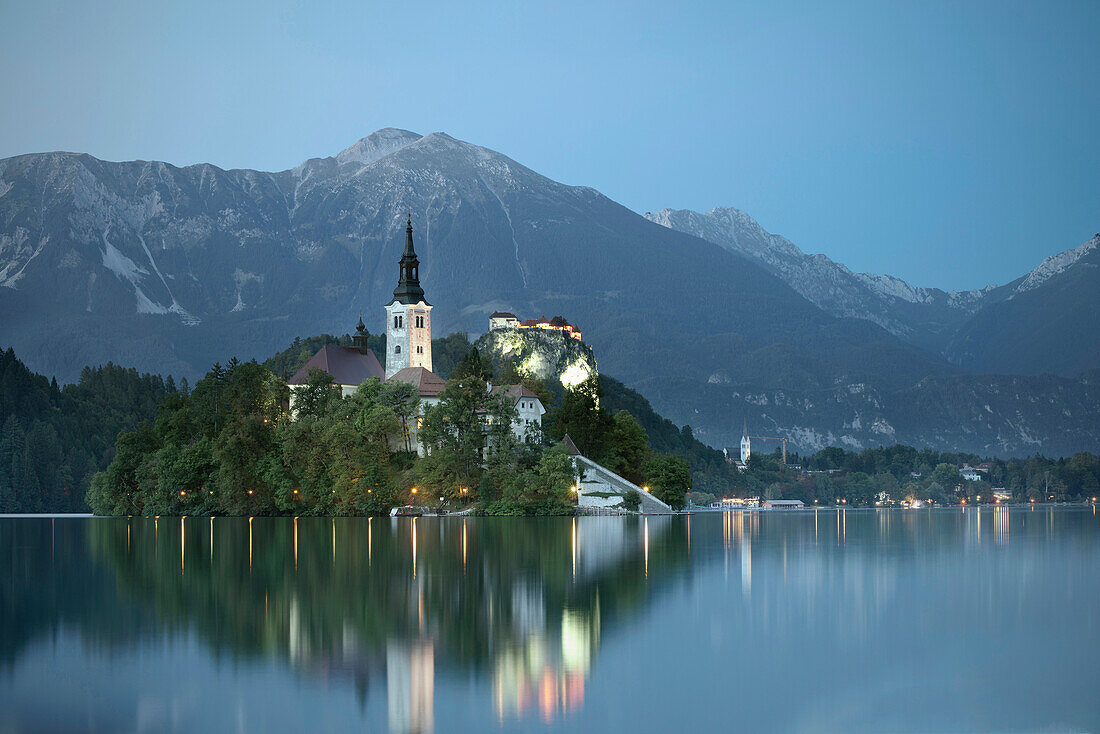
[170, 269]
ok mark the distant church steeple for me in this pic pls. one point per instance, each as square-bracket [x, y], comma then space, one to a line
[408, 288]
[408, 316]
[361, 336]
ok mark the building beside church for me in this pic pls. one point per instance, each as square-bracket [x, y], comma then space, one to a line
[408, 355]
[348, 366]
[529, 410]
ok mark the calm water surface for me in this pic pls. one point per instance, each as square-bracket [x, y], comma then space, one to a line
[865, 621]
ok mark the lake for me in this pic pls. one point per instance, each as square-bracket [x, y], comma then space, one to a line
[943, 620]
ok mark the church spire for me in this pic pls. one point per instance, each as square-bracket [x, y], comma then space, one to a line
[408, 288]
[360, 340]
[409, 252]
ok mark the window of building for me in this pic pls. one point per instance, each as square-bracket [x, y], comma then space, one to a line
[397, 349]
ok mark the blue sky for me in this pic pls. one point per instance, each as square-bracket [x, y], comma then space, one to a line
[953, 144]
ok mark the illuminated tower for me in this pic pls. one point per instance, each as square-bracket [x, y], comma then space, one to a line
[408, 316]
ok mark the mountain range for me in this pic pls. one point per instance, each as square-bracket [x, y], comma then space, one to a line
[1047, 320]
[170, 269]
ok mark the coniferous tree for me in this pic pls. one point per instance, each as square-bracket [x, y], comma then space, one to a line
[585, 421]
[11, 449]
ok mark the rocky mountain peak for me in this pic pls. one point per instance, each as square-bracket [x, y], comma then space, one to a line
[1056, 264]
[378, 144]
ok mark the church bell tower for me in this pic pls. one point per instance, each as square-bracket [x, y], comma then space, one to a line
[408, 316]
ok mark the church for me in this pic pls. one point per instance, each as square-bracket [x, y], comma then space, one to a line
[408, 353]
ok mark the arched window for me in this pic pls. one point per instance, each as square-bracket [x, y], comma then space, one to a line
[397, 349]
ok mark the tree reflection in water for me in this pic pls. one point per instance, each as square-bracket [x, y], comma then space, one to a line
[518, 602]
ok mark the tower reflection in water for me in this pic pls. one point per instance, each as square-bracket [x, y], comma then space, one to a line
[410, 683]
[544, 627]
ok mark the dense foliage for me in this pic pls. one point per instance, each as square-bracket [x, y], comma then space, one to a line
[232, 446]
[53, 439]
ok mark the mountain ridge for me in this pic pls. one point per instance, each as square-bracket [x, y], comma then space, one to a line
[171, 269]
[929, 317]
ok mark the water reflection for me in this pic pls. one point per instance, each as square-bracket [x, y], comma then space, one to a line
[410, 674]
[589, 624]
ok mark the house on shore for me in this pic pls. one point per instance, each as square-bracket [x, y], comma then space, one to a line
[783, 504]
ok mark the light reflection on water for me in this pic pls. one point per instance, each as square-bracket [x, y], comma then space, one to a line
[825, 620]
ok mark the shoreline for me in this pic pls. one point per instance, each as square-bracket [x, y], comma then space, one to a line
[466, 513]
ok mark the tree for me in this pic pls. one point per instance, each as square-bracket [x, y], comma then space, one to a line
[118, 490]
[544, 490]
[585, 422]
[937, 492]
[946, 475]
[240, 483]
[702, 499]
[669, 479]
[860, 488]
[12, 445]
[403, 401]
[629, 447]
[318, 396]
[632, 500]
[467, 425]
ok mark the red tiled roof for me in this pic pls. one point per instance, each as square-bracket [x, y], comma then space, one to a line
[346, 365]
[426, 382]
[514, 391]
[502, 315]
